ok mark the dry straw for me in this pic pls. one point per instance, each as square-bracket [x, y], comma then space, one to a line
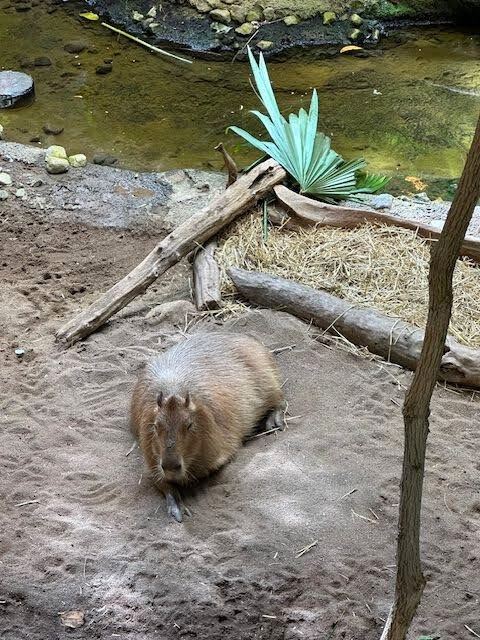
[377, 266]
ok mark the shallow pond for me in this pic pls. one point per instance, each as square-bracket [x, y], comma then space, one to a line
[409, 109]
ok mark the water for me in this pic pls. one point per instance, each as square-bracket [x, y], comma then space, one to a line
[410, 109]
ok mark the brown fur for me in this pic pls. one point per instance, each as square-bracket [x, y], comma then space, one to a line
[193, 405]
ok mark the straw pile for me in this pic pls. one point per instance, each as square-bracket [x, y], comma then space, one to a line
[381, 267]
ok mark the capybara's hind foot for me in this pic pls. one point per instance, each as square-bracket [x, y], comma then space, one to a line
[175, 507]
[276, 419]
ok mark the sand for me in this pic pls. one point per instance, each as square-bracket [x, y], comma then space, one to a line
[96, 537]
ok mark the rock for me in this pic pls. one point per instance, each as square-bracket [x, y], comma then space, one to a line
[221, 15]
[329, 17]
[356, 33]
[16, 88]
[1, 131]
[201, 6]
[42, 61]
[421, 197]
[52, 129]
[23, 6]
[26, 63]
[103, 69]
[376, 34]
[263, 45]
[152, 13]
[269, 14]
[5, 179]
[220, 28]
[382, 201]
[76, 46]
[147, 22]
[3, 194]
[56, 151]
[291, 20]
[77, 160]
[171, 313]
[245, 29]
[152, 26]
[35, 139]
[254, 15]
[138, 17]
[356, 19]
[238, 13]
[56, 165]
[20, 193]
[19, 352]
[104, 159]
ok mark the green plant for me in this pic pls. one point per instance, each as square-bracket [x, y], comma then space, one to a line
[302, 150]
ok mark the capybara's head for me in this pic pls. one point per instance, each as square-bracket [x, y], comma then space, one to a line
[173, 435]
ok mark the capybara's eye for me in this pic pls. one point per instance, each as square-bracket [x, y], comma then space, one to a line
[190, 426]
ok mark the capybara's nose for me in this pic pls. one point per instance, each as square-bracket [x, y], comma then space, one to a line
[172, 465]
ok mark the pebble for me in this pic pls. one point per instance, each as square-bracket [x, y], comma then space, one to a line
[56, 151]
[104, 159]
[42, 61]
[291, 20]
[221, 15]
[5, 179]
[245, 29]
[329, 17]
[255, 15]
[3, 194]
[269, 14]
[76, 46]
[382, 201]
[356, 19]
[152, 13]
[52, 129]
[264, 44]
[77, 160]
[56, 165]
[137, 16]
[103, 69]
[23, 6]
[20, 193]
[356, 33]
[19, 352]
[1, 131]
[421, 197]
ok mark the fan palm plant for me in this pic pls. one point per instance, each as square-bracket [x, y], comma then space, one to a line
[302, 150]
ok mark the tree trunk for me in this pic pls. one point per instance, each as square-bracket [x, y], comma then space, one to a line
[410, 581]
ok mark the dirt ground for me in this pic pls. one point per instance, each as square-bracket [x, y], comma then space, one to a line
[94, 535]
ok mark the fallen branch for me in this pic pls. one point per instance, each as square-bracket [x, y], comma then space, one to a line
[235, 200]
[229, 164]
[393, 339]
[305, 211]
[206, 278]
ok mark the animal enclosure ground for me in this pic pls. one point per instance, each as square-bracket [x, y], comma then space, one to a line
[94, 535]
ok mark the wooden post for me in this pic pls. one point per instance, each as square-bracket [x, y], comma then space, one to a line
[410, 581]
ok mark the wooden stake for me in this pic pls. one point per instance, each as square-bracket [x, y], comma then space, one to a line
[206, 278]
[235, 200]
[410, 581]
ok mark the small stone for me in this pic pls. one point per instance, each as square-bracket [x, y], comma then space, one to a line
[37, 183]
[138, 17]
[52, 129]
[147, 22]
[23, 6]
[104, 159]
[245, 29]
[56, 165]
[5, 179]
[1, 131]
[376, 35]
[56, 151]
[42, 61]
[221, 15]
[35, 139]
[3, 194]
[356, 33]
[238, 13]
[291, 20]
[254, 15]
[153, 25]
[76, 46]
[77, 160]
[19, 352]
[329, 17]
[201, 6]
[152, 13]
[221, 29]
[356, 19]
[170, 313]
[382, 201]
[20, 193]
[421, 197]
[269, 14]
[263, 45]
[103, 69]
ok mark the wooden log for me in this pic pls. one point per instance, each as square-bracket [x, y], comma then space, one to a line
[206, 278]
[393, 339]
[235, 200]
[307, 212]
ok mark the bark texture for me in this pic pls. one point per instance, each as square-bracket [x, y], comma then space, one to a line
[206, 278]
[235, 200]
[410, 581]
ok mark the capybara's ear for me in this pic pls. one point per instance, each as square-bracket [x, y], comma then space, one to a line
[189, 403]
[159, 398]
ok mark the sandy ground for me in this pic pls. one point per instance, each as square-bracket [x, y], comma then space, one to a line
[96, 537]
